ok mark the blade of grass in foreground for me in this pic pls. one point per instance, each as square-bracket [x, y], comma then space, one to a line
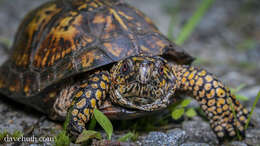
[194, 20]
[253, 108]
[104, 122]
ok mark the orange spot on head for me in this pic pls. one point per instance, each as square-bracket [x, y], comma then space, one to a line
[99, 19]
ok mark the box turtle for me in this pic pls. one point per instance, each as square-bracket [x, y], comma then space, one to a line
[71, 56]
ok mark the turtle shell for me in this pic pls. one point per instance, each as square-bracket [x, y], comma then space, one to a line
[62, 38]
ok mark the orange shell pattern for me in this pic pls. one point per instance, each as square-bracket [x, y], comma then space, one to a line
[63, 38]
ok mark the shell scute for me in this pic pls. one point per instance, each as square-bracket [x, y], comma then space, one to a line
[63, 38]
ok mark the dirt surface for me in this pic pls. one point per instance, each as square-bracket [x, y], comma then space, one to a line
[226, 42]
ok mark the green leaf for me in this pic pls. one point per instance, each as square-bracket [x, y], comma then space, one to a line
[238, 96]
[62, 139]
[177, 113]
[241, 97]
[88, 134]
[126, 137]
[185, 102]
[191, 113]
[92, 124]
[17, 134]
[104, 122]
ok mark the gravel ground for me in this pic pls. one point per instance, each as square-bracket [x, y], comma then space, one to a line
[226, 43]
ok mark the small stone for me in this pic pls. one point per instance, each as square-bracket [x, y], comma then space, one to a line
[172, 137]
[252, 137]
[237, 143]
[194, 144]
[200, 131]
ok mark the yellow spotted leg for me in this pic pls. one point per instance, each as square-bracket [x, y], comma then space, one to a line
[86, 98]
[215, 100]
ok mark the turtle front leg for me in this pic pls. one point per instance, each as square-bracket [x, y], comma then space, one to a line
[86, 98]
[214, 98]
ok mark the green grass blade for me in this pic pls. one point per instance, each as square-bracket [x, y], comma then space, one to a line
[253, 108]
[88, 134]
[194, 20]
[62, 139]
[92, 124]
[126, 137]
[185, 102]
[104, 122]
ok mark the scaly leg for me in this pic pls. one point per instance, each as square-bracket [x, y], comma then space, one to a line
[214, 98]
[86, 98]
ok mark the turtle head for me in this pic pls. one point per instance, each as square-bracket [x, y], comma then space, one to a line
[142, 82]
